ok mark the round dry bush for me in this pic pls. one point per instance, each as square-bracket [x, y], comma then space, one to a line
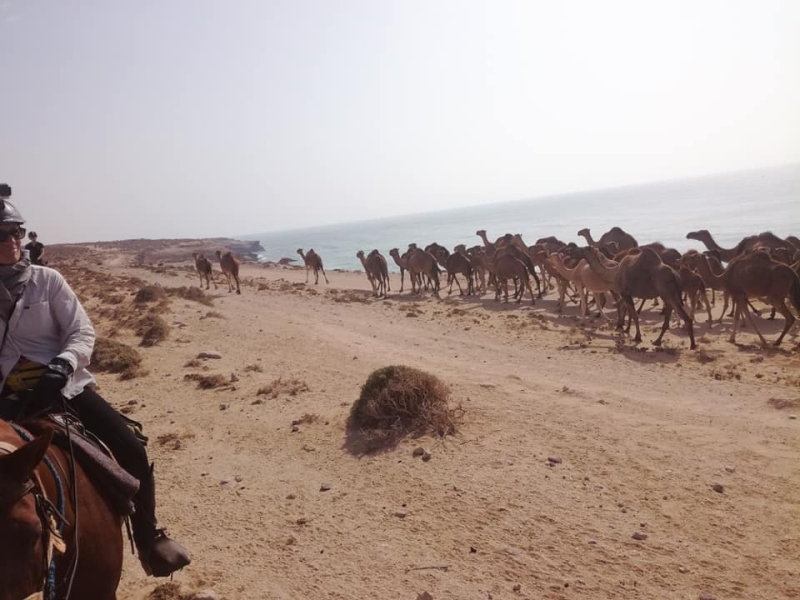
[149, 293]
[153, 330]
[402, 399]
[114, 357]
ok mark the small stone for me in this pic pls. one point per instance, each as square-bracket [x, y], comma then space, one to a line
[291, 541]
[400, 514]
[223, 406]
[418, 451]
[234, 378]
[224, 481]
[682, 569]
[555, 460]
[730, 469]
[792, 417]
[238, 479]
[291, 496]
[295, 429]
[209, 354]
[718, 487]
[517, 588]
[473, 550]
[301, 521]
[324, 487]
[592, 542]
[426, 456]
[639, 535]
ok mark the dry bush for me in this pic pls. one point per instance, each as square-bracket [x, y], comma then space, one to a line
[291, 386]
[153, 329]
[149, 293]
[173, 439]
[193, 364]
[255, 367]
[113, 357]
[398, 400]
[306, 418]
[207, 382]
[191, 293]
[725, 373]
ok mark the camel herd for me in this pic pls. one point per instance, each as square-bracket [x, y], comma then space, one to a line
[613, 271]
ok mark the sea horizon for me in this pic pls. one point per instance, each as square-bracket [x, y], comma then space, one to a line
[731, 206]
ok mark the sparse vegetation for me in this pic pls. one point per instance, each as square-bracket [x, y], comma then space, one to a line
[398, 399]
[276, 387]
[191, 293]
[153, 330]
[114, 357]
[193, 363]
[255, 368]
[213, 314]
[149, 293]
[207, 382]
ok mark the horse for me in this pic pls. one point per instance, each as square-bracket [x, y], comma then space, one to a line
[43, 491]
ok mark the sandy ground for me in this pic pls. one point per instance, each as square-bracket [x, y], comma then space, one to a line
[639, 437]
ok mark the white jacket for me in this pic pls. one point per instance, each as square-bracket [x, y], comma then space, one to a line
[48, 322]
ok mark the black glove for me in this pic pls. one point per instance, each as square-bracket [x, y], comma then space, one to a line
[46, 394]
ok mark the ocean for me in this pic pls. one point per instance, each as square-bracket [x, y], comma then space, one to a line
[730, 206]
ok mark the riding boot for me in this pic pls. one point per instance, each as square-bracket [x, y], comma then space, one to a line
[160, 556]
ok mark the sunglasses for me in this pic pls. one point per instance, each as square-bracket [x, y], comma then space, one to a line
[17, 234]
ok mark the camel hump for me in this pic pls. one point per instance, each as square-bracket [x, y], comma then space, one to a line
[650, 257]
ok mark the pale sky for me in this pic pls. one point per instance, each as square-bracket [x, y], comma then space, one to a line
[193, 118]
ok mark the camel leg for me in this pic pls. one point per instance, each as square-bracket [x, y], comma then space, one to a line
[325, 276]
[752, 321]
[704, 298]
[308, 268]
[460, 290]
[788, 316]
[664, 325]
[735, 310]
[641, 306]
[402, 278]
[634, 317]
[538, 283]
[236, 277]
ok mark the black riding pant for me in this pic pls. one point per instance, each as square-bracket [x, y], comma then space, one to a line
[103, 421]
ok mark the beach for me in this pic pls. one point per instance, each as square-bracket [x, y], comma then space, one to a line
[585, 466]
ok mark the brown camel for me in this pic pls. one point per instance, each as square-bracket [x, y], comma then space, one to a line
[402, 262]
[477, 259]
[377, 272]
[505, 267]
[765, 239]
[695, 290]
[230, 268]
[313, 261]
[622, 239]
[644, 275]
[756, 275]
[525, 258]
[420, 263]
[203, 266]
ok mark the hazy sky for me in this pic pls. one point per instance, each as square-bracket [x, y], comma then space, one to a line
[184, 118]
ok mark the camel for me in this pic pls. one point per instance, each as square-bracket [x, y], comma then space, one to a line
[230, 268]
[585, 280]
[756, 275]
[313, 261]
[477, 259]
[203, 266]
[765, 239]
[505, 267]
[401, 262]
[377, 272]
[695, 290]
[421, 263]
[525, 258]
[644, 275]
[623, 240]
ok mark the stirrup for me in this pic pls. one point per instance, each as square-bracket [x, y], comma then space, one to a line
[163, 556]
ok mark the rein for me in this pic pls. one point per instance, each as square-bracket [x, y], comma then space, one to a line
[51, 516]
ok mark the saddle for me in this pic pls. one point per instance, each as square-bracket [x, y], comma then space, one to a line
[113, 482]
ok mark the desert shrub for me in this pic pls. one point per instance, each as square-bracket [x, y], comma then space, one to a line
[152, 329]
[191, 293]
[114, 357]
[255, 367]
[207, 382]
[149, 293]
[399, 399]
[276, 387]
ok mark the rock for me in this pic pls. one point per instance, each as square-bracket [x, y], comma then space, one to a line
[325, 487]
[517, 588]
[238, 479]
[730, 469]
[205, 595]
[418, 451]
[426, 456]
[718, 487]
[639, 535]
[291, 540]
[209, 354]
[400, 514]
[295, 429]
[224, 481]
[234, 378]
[291, 496]
[554, 460]
[682, 569]
[223, 406]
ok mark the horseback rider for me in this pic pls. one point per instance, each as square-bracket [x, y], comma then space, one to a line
[43, 322]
